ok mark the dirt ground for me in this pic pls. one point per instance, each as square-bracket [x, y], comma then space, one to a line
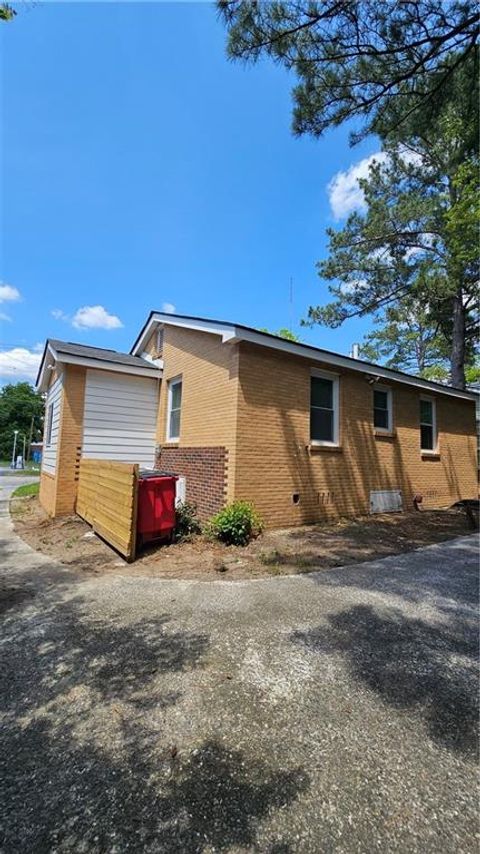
[286, 552]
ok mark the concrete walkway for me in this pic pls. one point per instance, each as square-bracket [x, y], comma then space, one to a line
[334, 712]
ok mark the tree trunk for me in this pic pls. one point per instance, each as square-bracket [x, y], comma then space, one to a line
[457, 353]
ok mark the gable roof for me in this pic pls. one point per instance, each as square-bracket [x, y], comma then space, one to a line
[82, 354]
[235, 332]
[101, 353]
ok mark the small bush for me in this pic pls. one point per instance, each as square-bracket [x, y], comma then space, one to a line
[186, 521]
[236, 524]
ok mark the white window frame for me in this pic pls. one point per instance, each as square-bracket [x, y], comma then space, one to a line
[388, 390]
[171, 383]
[335, 379]
[433, 425]
[49, 425]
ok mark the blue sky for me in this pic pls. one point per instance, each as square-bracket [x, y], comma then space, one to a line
[141, 168]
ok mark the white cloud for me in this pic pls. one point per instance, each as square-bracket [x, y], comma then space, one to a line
[168, 308]
[343, 191]
[58, 314]
[19, 364]
[9, 293]
[5, 317]
[351, 287]
[95, 317]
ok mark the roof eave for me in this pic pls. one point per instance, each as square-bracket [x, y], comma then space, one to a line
[54, 357]
[49, 356]
[233, 334]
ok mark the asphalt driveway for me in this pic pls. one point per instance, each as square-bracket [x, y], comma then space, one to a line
[328, 713]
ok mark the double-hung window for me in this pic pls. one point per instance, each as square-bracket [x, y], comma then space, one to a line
[382, 409]
[324, 409]
[428, 424]
[174, 409]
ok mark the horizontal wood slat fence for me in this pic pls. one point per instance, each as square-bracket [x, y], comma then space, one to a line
[107, 500]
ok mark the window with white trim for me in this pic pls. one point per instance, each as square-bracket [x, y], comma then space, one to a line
[428, 424]
[174, 409]
[382, 408]
[48, 431]
[324, 409]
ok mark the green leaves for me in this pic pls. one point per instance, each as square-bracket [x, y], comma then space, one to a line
[7, 13]
[415, 247]
[236, 524]
[21, 408]
[377, 62]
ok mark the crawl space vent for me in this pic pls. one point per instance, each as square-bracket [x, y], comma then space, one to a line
[386, 501]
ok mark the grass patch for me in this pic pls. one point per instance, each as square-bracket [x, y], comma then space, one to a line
[270, 558]
[26, 490]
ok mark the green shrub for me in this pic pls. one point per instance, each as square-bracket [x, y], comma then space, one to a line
[186, 521]
[236, 524]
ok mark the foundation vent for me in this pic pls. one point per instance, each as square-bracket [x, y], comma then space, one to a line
[386, 501]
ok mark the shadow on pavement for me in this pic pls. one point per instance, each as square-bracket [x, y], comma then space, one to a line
[410, 664]
[84, 762]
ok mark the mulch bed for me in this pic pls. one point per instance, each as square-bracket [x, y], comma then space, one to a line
[290, 551]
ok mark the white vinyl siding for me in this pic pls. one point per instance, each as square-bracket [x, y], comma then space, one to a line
[120, 418]
[52, 410]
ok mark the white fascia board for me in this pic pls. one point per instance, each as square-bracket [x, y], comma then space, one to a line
[344, 362]
[49, 360]
[225, 331]
[98, 364]
[232, 334]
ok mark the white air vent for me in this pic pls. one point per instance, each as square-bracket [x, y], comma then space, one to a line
[159, 341]
[386, 501]
[180, 491]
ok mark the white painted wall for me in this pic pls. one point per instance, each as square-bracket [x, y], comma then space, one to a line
[120, 418]
[54, 396]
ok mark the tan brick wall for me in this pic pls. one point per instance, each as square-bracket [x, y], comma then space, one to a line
[274, 459]
[151, 345]
[70, 439]
[48, 485]
[48, 482]
[209, 370]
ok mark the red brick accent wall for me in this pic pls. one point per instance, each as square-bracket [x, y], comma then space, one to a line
[205, 470]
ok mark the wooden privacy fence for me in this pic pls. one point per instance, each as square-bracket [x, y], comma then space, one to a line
[107, 500]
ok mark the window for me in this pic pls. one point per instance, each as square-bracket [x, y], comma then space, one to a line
[174, 407]
[382, 408]
[324, 409]
[48, 430]
[428, 424]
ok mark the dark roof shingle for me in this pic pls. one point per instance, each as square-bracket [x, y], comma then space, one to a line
[100, 354]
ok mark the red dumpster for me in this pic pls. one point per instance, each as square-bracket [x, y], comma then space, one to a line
[156, 505]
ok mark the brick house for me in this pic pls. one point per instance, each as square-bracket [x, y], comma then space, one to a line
[302, 432]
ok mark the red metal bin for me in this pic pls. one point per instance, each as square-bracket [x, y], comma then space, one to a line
[156, 505]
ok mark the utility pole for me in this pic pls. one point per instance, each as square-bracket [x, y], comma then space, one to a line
[291, 304]
[15, 434]
[30, 440]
